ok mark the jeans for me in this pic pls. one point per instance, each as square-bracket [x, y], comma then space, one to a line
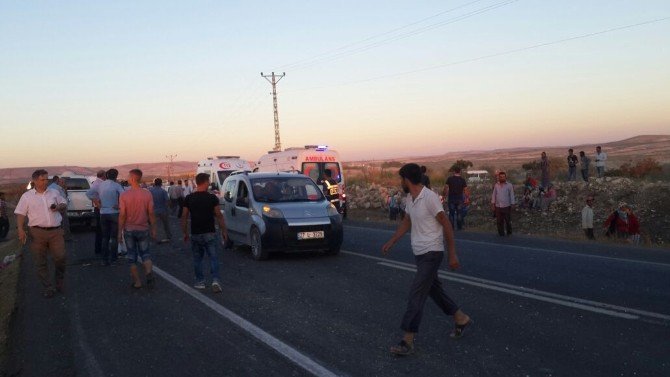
[137, 243]
[504, 217]
[585, 175]
[109, 223]
[202, 244]
[426, 283]
[572, 173]
[4, 227]
[456, 213]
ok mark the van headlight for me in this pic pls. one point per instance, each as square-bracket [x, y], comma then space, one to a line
[272, 212]
[332, 210]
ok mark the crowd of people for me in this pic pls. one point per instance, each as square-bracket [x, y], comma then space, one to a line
[126, 218]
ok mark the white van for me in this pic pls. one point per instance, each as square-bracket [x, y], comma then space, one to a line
[310, 160]
[219, 168]
[477, 176]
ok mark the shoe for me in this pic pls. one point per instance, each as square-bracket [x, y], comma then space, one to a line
[151, 280]
[216, 287]
[459, 330]
[402, 349]
[200, 286]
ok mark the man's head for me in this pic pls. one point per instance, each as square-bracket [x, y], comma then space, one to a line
[55, 179]
[457, 170]
[179, 182]
[158, 182]
[135, 177]
[171, 183]
[101, 174]
[112, 174]
[544, 154]
[424, 169]
[40, 179]
[589, 200]
[328, 173]
[570, 151]
[410, 175]
[581, 153]
[502, 177]
[202, 179]
[598, 149]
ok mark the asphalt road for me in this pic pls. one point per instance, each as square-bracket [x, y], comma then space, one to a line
[541, 307]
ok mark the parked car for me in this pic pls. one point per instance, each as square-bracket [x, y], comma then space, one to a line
[280, 212]
[79, 207]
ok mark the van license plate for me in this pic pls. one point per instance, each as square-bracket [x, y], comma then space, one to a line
[310, 235]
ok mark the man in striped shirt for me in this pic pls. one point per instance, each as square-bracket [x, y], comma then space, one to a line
[502, 201]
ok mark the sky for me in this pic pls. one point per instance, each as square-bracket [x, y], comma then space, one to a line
[98, 83]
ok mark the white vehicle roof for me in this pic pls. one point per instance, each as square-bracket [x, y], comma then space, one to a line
[477, 172]
[308, 153]
[224, 163]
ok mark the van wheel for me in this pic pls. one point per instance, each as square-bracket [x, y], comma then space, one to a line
[257, 250]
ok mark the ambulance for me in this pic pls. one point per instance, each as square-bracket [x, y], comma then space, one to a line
[310, 160]
[220, 167]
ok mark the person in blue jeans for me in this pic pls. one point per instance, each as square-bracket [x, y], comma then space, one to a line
[105, 195]
[202, 208]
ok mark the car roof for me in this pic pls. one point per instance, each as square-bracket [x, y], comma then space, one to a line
[271, 175]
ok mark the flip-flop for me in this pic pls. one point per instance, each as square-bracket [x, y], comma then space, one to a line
[133, 286]
[402, 349]
[460, 329]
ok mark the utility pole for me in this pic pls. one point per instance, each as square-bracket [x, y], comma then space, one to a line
[274, 81]
[169, 167]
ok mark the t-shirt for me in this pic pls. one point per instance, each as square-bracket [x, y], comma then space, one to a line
[160, 198]
[456, 185]
[427, 233]
[572, 161]
[201, 206]
[137, 204]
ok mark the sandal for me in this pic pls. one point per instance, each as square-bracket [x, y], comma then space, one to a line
[460, 329]
[402, 349]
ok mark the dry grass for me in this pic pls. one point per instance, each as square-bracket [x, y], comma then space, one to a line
[8, 290]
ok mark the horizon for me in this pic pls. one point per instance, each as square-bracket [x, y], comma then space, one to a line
[93, 83]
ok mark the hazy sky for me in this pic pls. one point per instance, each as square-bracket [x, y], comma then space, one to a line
[111, 82]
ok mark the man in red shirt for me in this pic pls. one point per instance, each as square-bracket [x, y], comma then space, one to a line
[136, 223]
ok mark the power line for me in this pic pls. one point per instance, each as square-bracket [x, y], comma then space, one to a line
[290, 65]
[483, 57]
[403, 35]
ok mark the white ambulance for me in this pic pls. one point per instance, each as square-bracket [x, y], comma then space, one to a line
[220, 167]
[310, 160]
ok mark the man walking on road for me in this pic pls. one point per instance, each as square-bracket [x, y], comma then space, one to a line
[429, 228]
[454, 192]
[137, 223]
[43, 206]
[502, 201]
[106, 196]
[203, 208]
[161, 201]
[175, 192]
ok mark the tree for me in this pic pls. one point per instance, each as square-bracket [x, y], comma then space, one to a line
[531, 166]
[463, 164]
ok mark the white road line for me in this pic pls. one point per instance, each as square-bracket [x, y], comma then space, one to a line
[575, 302]
[284, 349]
[526, 248]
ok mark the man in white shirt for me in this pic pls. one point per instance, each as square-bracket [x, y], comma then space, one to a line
[43, 206]
[601, 157]
[430, 227]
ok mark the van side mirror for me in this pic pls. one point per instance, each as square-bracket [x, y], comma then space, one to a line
[228, 197]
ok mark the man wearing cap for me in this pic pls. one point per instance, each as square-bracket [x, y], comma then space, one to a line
[42, 206]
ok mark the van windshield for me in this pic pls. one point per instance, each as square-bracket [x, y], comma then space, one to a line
[223, 174]
[285, 189]
[315, 170]
[77, 184]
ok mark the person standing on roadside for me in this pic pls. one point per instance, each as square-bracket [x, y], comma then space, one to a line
[425, 179]
[43, 206]
[137, 223]
[161, 201]
[601, 158]
[174, 193]
[100, 176]
[502, 201]
[584, 162]
[203, 208]
[4, 219]
[454, 192]
[429, 229]
[545, 167]
[587, 218]
[106, 196]
[572, 165]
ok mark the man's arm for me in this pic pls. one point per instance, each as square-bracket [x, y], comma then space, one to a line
[449, 237]
[222, 222]
[20, 230]
[184, 223]
[152, 219]
[403, 228]
[122, 221]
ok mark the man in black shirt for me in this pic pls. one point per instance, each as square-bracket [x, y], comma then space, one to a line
[203, 208]
[572, 165]
[454, 192]
[331, 189]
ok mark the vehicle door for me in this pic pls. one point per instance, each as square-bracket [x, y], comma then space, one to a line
[241, 211]
[228, 207]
